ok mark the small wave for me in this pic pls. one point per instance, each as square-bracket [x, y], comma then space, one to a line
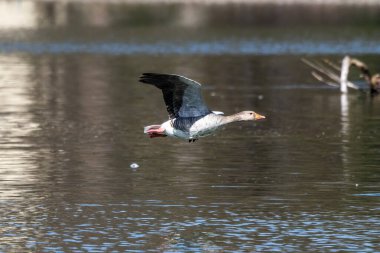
[369, 194]
[240, 47]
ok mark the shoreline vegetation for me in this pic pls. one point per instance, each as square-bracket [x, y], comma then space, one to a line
[274, 2]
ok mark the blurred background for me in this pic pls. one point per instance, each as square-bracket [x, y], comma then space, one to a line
[72, 114]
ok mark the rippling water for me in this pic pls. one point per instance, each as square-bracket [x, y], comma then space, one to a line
[196, 47]
[71, 118]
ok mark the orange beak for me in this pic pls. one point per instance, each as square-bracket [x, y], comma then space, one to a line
[258, 116]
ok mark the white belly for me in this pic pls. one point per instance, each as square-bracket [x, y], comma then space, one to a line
[200, 128]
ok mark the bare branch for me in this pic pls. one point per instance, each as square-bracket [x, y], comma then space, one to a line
[321, 79]
[328, 73]
[336, 67]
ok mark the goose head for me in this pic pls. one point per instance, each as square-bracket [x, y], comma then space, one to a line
[249, 115]
[375, 82]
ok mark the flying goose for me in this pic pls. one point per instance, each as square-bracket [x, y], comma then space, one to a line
[189, 116]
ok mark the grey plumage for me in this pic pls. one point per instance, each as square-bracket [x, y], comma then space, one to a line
[184, 124]
[195, 127]
[182, 96]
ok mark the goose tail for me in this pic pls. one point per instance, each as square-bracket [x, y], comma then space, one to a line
[154, 131]
[148, 129]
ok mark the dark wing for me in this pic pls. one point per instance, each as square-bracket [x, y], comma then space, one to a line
[182, 95]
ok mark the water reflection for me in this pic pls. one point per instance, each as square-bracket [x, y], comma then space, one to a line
[345, 124]
[123, 29]
[16, 127]
[21, 14]
[32, 14]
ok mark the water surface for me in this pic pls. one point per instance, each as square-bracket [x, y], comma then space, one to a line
[304, 180]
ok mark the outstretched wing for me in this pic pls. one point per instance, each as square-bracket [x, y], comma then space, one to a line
[182, 95]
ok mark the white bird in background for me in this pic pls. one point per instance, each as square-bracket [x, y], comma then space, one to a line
[189, 117]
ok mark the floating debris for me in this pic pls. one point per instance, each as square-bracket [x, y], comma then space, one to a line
[134, 166]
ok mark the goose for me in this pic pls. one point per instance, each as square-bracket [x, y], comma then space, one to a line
[189, 116]
[373, 81]
[326, 72]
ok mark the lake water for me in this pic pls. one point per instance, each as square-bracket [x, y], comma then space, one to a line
[72, 114]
